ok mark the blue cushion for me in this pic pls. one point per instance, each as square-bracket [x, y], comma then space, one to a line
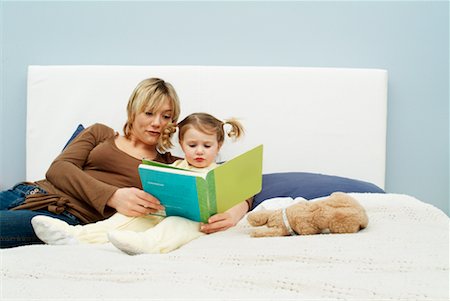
[308, 186]
[78, 130]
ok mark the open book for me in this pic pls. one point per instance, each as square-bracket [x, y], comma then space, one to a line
[197, 195]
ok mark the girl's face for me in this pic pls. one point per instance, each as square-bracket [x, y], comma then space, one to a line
[200, 149]
[148, 125]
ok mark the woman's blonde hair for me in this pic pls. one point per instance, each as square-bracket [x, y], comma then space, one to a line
[210, 125]
[149, 95]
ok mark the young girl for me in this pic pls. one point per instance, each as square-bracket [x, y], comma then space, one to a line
[201, 136]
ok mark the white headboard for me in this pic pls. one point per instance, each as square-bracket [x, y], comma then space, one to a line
[324, 120]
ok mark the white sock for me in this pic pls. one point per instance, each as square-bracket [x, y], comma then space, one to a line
[53, 231]
[172, 233]
[129, 242]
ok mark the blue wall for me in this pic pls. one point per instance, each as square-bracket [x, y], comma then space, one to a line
[409, 39]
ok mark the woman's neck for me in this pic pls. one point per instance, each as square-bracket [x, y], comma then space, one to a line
[136, 149]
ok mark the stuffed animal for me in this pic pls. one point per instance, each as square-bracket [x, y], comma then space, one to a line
[338, 213]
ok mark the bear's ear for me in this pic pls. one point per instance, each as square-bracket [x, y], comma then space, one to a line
[258, 218]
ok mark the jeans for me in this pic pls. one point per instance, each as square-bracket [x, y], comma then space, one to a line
[15, 225]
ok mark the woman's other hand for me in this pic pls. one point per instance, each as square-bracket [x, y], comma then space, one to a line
[134, 202]
[225, 220]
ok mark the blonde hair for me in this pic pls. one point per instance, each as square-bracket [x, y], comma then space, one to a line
[210, 125]
[150, 94]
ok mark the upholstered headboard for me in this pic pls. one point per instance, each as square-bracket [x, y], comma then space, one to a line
[323, 120]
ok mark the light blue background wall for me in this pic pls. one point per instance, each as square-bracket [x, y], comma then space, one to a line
[409, 39]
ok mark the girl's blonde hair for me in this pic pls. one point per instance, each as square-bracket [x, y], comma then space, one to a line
[149, 95]
[208, 124]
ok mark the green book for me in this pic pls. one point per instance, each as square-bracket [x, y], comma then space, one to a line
[198, 195]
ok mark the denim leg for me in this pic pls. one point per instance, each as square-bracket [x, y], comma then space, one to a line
[15, 225]
[15, 196]
[10, 198]
[16, 229]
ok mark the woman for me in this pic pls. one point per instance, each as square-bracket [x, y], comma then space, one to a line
[97, 174]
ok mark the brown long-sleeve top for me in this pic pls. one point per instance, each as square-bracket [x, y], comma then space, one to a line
[86, 174]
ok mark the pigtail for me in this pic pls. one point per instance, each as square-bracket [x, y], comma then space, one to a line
[237, 130]
[165, 141]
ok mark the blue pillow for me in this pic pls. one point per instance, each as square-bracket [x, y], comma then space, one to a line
[78, 130]
[308, 186]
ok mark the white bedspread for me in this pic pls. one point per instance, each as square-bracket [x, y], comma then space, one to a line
[403, 254]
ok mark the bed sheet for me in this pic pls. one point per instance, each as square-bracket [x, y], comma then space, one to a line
[402, 254]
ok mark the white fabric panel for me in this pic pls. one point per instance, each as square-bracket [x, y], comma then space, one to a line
[331, 120]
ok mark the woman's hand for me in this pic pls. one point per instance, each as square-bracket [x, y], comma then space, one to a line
[225, 220]
[134, 202]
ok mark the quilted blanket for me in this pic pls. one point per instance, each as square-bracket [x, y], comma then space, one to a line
[403, 254]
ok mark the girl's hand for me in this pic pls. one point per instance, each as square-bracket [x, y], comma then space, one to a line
[134, 202]
[225, 220]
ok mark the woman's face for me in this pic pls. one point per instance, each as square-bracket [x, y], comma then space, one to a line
[148, 125]
[200, 149]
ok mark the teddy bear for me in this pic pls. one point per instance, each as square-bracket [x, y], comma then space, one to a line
[337, 213]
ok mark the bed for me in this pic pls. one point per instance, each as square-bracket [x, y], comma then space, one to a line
[323, 130]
